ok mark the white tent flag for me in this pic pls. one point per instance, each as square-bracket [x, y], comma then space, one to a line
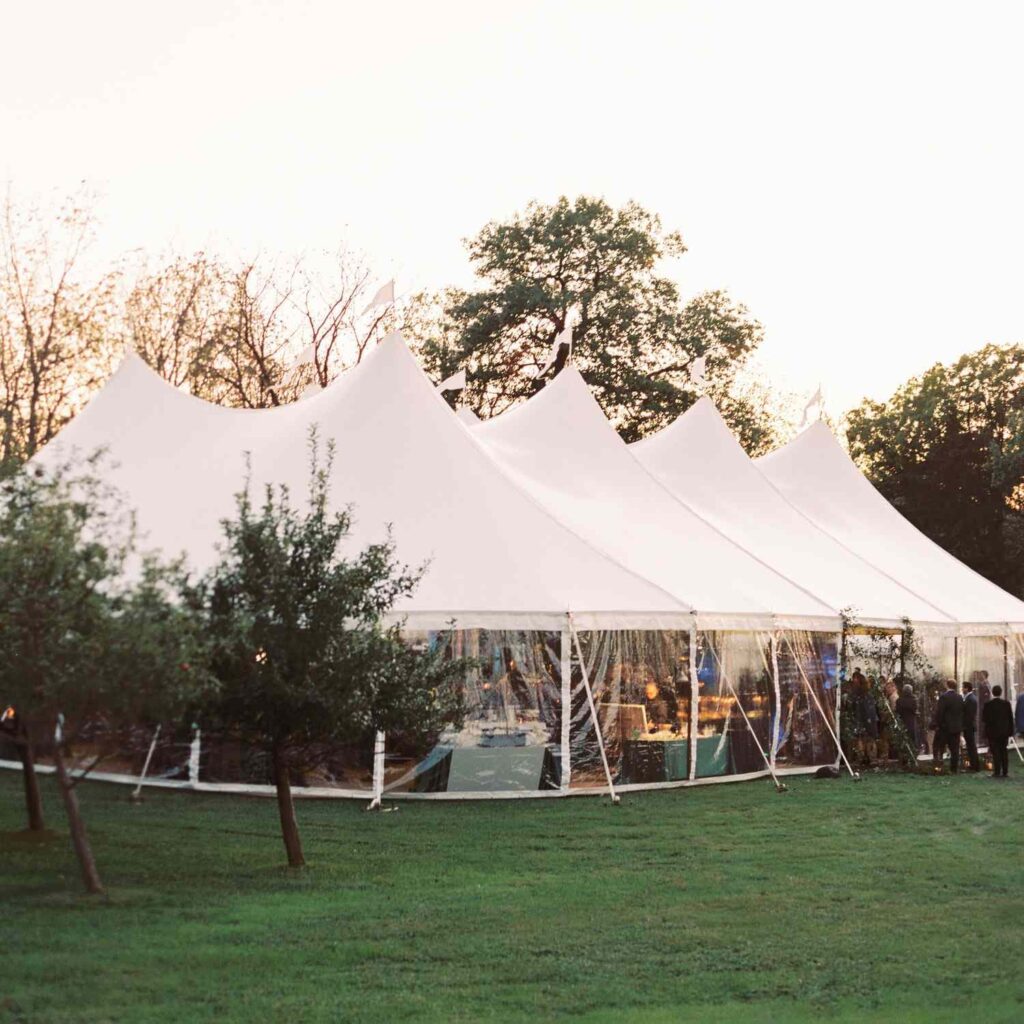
[564, 337]
[698, 370]
[385, 297]
[456, 382]
[816, 400]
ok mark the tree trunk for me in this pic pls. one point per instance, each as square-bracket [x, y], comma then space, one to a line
[33, 800]
[286, 809]
[79, 837]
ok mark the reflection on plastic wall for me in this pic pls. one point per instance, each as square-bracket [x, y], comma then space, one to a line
[808, 671]
[510, 739]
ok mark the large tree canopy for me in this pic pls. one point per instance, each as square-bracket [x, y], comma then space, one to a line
[947, 449]
[633, 339]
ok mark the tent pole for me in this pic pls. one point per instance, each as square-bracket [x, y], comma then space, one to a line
[694, 729]
[145, 768]
[1010, 688]
[565, 777]
[593, 712]
[193, 756]
[840, 677]
[378, 771]
[810, 689]
[773, 646]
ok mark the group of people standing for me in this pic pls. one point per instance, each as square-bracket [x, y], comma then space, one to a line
[955, 718]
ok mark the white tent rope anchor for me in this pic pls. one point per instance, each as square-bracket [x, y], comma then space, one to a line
[779, 786]
[810, 689]
[593, 711]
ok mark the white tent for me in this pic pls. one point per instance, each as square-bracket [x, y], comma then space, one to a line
[495, 556]
[518, 533]
[560, 446]
[816, 475]
[701, 462]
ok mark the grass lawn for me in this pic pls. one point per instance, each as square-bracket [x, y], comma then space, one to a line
[896, 899]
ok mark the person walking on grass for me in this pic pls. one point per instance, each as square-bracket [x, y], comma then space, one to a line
[971, 726]
[997, 716]
[949, 723]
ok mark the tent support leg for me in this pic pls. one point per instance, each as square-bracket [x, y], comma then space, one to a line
[821, 711]
[694, 730]
[779, 786]
[840, 679]
[773, 646]
[1009, 687]
[193, 757]
[565, 778]
[593, 713]
[378, 771]
[137, 792]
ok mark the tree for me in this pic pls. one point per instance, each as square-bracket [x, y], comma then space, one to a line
[82, 643]
[585, 263]
[52, 342]
[301, 657]
[231, 331]
[947, 449]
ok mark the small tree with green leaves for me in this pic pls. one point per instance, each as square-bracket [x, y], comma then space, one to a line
[302, 660]
[82, 643]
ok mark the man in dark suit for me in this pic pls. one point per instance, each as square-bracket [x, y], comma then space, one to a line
[998, 719]
[949, 723]
[971, 726]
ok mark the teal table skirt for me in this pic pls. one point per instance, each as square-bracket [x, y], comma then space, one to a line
[669, 760]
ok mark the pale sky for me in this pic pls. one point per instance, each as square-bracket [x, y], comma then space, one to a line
[854, 173]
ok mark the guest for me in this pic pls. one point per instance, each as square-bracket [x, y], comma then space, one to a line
[1020, 712]
[906, 711]
[891, 691]
[881, 723]
[984, 696]
[971, 726]
[866, 721]
[998, 719]
[949, 723]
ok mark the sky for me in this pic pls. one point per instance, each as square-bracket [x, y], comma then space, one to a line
[852, 172]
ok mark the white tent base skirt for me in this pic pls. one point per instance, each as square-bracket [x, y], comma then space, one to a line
[331, 793]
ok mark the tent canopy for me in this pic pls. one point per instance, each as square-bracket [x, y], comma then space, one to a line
[560, 447]
[495, 556]
[817, 476]
[700, 461]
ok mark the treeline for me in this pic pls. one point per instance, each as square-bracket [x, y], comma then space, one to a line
[947, 449]
[227, 330]
[257, 332]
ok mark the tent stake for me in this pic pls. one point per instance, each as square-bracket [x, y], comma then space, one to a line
[593, 712]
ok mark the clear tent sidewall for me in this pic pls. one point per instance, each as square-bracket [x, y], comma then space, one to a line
[674, 708]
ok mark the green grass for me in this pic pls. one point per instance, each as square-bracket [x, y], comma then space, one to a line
[896, 899]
